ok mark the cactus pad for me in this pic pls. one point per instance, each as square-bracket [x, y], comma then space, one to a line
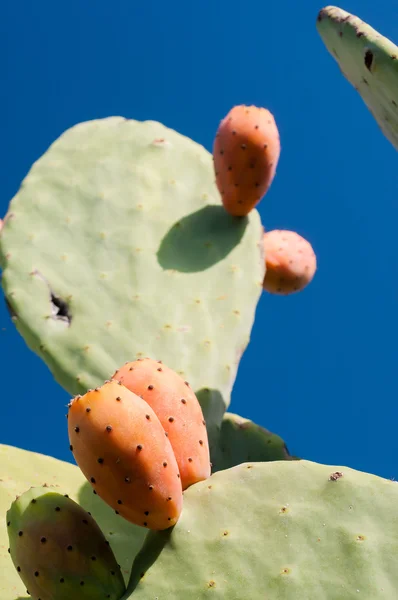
[290, 530]
[241, 441]
[20, 470]
[117, 247]
[368, 60]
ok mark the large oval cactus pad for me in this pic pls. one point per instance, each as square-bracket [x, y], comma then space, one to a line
[117, 247]
[21, 470]
[368, 60]
[284, 530]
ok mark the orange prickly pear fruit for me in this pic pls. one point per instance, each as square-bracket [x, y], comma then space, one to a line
[290, 262]
[122, 449]
[178, 410]
[245, 152]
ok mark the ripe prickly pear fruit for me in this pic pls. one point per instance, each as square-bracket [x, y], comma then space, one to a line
[178, 410]
[290, 262]
[122, 449]
[59, 550]
[246, 151]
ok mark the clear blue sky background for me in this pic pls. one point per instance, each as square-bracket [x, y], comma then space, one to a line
[321, 368]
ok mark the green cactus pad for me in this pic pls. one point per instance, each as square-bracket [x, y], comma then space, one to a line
[59, 550]
[241, 441]
[117, 247]
[368, 60]
[20, 470]
[283, 530]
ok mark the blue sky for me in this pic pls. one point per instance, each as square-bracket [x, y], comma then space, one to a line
[321, 367]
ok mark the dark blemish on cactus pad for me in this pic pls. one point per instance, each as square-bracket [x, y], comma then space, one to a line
[85, 521]
[8, 523]
[43, 540]
[211, 584]
[178, 475]
[92, 480]
[169, 498]
[186, 383]
[109, 428]
[243, 146]
[116, 512]
[100, 460]
[10, 309]
[77, 429]
[139, 447]
[57, 509]
[335, 476]
[33, 501]
[71, 448]
[189, 459]
[82, 583]
[36, 573]
[119, 502]
[127, 480]
[148, 417]
[93, 558]
[166, 434]
[19, 569]
[183, 401]
[150, 487]
[165, 464]
[118, 398]
[171, 419]
[150, 387]
[88, 409]
[145, 524]
[146, 512]
[368, 59]
[159, 369]
[20, 533]
[201, 442]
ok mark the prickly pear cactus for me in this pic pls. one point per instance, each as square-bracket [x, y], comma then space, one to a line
[368, 60]
[20, 470]
[117, 247]
[290, 530]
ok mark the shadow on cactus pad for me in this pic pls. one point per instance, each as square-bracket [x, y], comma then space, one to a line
[200, 240]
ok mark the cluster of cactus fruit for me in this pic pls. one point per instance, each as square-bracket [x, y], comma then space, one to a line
[229, 510]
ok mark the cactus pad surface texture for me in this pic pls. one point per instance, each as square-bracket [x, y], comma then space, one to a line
[286, 530]
[368, 60]
[21, 469]
[117, 247]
